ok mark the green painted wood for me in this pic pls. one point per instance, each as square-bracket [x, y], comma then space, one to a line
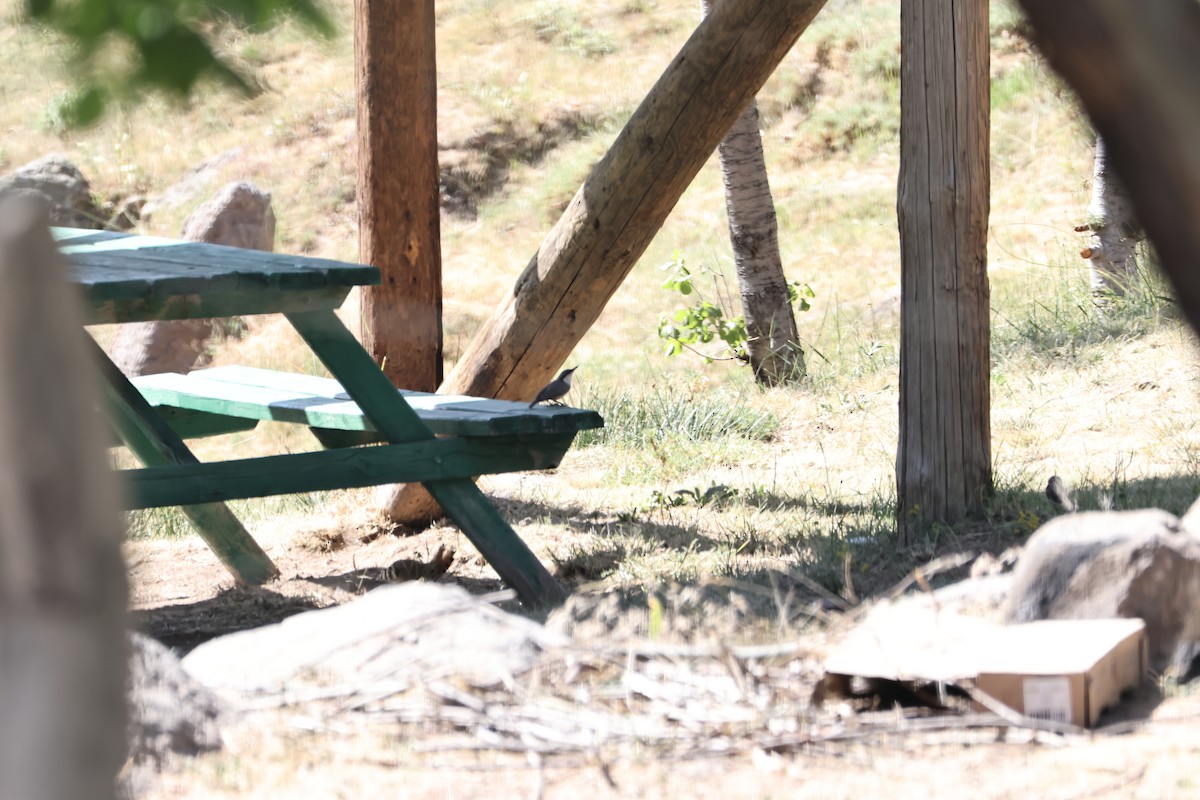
[322, 403]
[501, 416]
[197, 424]
[341, 469]
[460, 498]
[128, 278]
[154, 443]
[203, 306]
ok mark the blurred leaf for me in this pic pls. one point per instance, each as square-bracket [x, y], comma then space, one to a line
[171, 43]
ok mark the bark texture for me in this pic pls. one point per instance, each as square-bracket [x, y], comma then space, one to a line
[239, 215]
[1111, 253]
[943, 465]
[622, 204]
[398, 200]
[774, 345]
[1134, 68]
[62, 579]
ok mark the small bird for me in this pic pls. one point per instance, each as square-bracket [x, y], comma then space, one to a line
[1059, 494]
[556, 388]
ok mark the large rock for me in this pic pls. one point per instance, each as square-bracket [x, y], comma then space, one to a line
[239, 215]
[169, 711]
[58, 184]
[1114, 564]
[405, 632]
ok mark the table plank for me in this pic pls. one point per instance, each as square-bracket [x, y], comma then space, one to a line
[127, 278]
[322, 402]
[429, 459]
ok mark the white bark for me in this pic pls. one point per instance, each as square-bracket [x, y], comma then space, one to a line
[1111, 252]
[774, 344]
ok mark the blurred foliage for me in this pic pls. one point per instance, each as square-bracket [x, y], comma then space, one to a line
[122, 49]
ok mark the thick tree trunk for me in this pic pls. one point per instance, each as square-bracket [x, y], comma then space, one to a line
[1111, 253]
[398, 200]
[62, 580]
[774, 344]
[1134, 67]
[943, 465]
[624, 201]
[239, 215]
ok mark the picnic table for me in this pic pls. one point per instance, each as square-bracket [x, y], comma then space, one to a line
[441, 441]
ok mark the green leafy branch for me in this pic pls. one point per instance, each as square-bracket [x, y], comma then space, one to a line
[122, 49]
[705, 322]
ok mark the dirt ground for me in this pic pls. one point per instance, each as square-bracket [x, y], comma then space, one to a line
[182, 596]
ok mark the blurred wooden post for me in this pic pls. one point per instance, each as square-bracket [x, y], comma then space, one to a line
[62, 579]
[1134, 67]
[398, 199]
[944, 462]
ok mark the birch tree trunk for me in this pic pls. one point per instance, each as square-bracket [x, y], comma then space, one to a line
[774, 344]
[943, 464]
[1111, 251]
[62, 580]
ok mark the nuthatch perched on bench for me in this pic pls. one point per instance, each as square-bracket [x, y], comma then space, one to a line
[556, 388]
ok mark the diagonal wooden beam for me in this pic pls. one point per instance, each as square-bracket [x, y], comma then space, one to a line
[628, 195]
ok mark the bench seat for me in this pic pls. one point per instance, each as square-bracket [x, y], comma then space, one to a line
[224, 399]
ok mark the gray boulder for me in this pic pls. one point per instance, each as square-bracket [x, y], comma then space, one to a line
[239, 215]
[1114, 564]
[59, 184]
[170, 712]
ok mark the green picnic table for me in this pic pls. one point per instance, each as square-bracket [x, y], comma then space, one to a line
[373, 433]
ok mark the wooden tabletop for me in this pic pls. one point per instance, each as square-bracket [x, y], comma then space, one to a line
[130, 278]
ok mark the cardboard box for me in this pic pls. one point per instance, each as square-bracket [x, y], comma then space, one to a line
[1062, 670]
[1065, 670]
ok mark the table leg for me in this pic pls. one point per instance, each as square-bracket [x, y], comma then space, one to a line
[155, 443]
[461, 499]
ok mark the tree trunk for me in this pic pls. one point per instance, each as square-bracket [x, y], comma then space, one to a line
[398, 200]
[774, 344]
[62, 580]
[1111, 251]
[943, 464]
[1134, 68]
[239, 215]
[624, 201]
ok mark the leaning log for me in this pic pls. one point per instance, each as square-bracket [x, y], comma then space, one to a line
[62, 579]
[626, 198]
[628, 195]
